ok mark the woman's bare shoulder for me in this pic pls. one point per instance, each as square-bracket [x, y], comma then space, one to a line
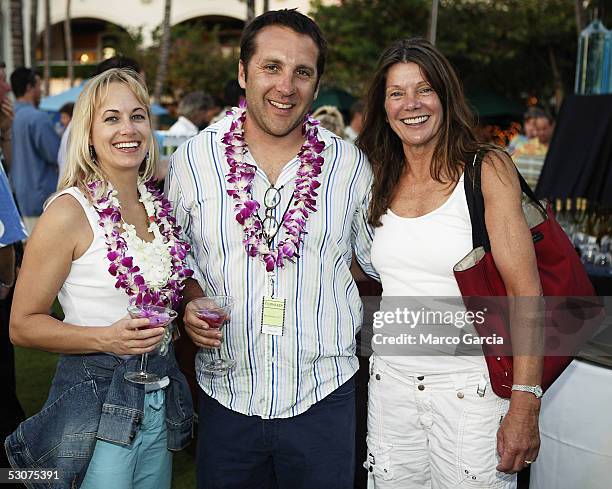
[64, 221]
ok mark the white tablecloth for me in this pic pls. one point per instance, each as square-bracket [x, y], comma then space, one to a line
[576, 431]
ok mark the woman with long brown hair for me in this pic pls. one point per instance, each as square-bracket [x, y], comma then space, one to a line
[433, 419]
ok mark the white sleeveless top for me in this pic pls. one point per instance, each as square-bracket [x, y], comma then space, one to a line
[88, 296]
[415, 258]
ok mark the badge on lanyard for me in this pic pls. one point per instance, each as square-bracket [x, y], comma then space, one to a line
[273, 316]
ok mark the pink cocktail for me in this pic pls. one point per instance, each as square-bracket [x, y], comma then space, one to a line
[214, 318]
[158, 317]
[215, 311]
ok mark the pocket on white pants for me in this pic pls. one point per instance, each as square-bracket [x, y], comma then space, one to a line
[477, 447]
[378, 461]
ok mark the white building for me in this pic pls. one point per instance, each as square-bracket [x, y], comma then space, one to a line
[89, 18]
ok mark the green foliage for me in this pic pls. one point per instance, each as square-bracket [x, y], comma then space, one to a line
[197, 60]
[507, 46]
[510, 46]
[358, 31]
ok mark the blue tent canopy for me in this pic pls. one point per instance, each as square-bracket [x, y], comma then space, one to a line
[55, 102]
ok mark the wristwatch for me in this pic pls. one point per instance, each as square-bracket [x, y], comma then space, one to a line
[536, 390]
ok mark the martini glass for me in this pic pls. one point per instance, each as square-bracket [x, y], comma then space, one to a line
[157, 316]
[215, 310]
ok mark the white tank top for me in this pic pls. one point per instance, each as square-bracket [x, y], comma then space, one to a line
[415, 257]
[88, 296]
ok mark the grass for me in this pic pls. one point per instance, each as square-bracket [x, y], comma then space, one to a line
[35, 371]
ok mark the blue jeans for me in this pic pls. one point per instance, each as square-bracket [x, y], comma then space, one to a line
[315, 449]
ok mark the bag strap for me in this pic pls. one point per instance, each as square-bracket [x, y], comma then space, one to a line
[475, 200]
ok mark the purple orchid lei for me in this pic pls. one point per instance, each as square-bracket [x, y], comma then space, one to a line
[241, 176]
[122, 266]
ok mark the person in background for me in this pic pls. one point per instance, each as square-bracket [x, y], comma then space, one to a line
[233, 94]
[12, 232]
[106, 240]
[195, 110]
[538, 126]
[433, 418]
[65, 113]
[330, 118]
[544, 128]
[351, 132]
[529, 119]
[34, 170]
[6, 120]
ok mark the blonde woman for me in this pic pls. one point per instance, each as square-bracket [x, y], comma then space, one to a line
[106, 240]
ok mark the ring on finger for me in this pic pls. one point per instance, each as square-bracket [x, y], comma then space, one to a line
[529, 462]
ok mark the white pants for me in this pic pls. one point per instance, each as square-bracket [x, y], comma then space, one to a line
[433, 431]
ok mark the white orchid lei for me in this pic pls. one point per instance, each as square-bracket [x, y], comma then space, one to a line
[166, 285]
[241, 176]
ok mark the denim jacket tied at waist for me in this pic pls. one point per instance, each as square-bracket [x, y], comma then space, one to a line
[88, 400]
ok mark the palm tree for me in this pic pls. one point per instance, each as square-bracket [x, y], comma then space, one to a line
[33, 36]
[16, 8]
[433, 22]
[580, 16]
[250, 10]
[47, 69]
[162, 67]
[68, 42]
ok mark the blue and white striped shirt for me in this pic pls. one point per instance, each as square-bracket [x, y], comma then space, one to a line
[277, 376]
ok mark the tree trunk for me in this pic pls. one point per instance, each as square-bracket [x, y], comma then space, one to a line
[47, 70]
[2, 34]
[250, 10]
[580, 16]
[33, 34]
[68, 41]
[162, 67]
[266, 5]
[558, 82]
[16, 8]
[433, 22]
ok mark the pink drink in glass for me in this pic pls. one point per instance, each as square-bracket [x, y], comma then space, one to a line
[215, 310]
[214, 318]
[158, 317]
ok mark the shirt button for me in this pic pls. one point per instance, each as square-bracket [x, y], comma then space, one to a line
[377, 376]
[421, 377]
[421, 387]
[460, 395]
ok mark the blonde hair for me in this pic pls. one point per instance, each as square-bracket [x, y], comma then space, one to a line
[81, 166]
[330, 118]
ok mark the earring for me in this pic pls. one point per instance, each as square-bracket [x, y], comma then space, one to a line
[92, 154]
[147, 158]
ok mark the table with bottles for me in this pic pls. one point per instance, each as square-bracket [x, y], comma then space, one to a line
[589, 227]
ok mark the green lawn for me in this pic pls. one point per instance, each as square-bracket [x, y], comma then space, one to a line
[35, 370]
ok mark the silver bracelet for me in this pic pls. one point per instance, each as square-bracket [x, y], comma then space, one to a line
[536, 390]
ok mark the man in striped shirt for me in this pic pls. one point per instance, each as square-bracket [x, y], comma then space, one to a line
[284, 416]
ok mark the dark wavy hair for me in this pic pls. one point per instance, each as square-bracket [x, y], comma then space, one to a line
[456, 144]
